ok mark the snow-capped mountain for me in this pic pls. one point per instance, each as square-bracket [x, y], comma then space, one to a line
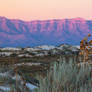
[47, 32]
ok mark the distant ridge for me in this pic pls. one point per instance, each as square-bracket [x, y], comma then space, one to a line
[18, 33]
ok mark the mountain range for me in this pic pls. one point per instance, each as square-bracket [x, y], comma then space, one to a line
[18, 33]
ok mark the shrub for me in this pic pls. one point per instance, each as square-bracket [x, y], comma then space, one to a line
[67, 77]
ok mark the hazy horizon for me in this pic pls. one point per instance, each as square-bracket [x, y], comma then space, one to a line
[43, 19]
[45, 9]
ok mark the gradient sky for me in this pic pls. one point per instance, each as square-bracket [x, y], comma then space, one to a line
[45, 9]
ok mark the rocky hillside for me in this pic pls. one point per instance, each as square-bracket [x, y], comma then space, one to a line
[48, 32]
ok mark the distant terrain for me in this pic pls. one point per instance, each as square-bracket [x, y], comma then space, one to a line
[39, 51]
[18, 33]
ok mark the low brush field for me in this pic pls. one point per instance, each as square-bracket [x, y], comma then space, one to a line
[56, 73]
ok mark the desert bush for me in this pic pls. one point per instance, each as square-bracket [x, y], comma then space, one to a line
[67, 77]
[10, 81]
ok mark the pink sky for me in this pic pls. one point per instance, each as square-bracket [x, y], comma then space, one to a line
[45, 9]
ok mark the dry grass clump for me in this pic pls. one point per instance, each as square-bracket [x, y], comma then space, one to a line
[67, 77]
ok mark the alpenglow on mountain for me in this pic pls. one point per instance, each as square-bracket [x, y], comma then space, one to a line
[47, 32]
